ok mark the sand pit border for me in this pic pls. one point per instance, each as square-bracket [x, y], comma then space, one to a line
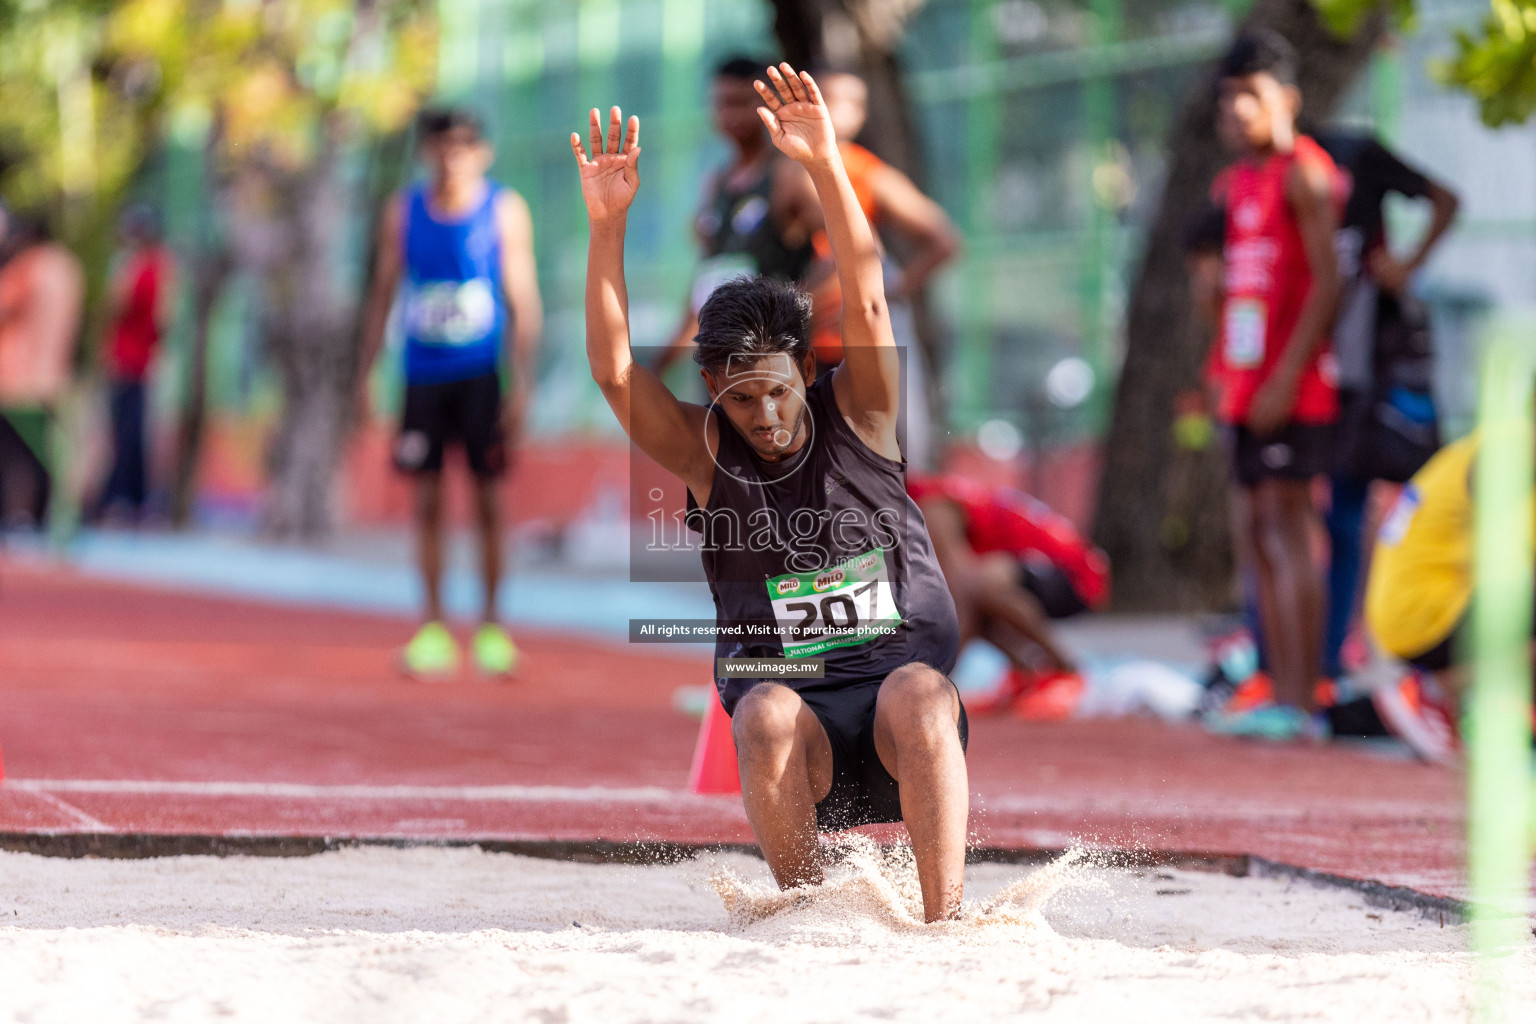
[136, 845]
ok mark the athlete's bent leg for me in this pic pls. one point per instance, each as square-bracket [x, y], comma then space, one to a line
[1291, 597]
[488, 523]
[999, 596]
[785, 760]
[429, 541]
[917, 717]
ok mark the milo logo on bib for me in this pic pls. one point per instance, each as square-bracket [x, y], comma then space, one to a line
[842, 605]
[828, 580]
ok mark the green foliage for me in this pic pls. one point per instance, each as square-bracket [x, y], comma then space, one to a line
[1495, 61]
[1497, 64]
[275, 74]
[1344, 17]
[88, 85]
[67, 128]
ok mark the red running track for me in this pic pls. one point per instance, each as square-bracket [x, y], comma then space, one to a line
[126, 709]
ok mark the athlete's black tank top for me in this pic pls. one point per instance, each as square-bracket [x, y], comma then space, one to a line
[736, 221]
[827, 541]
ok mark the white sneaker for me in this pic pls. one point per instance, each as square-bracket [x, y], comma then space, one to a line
[1414, 713]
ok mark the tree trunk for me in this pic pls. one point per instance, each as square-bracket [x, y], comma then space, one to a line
[310, 335]
[213, 264]
[1162, 509]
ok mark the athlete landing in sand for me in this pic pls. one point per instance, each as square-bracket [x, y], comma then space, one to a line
[797, 489]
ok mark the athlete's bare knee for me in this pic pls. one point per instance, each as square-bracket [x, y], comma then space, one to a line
[996, 581]
[487, 500]
[917, 701]
[429, 495]
[1281, 536]
[998, 570]
[765, 719]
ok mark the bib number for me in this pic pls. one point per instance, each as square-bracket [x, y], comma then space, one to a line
[1244, 337]
[844, 605]
[1395, 527]
[451, 312]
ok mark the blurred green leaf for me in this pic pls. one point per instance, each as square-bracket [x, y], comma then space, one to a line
[87, 87]
[1496, 63]
[1344, 17]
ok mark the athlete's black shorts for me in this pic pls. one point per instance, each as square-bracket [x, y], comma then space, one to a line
[1297, 451]
[466, 412]
[863, 792]
[1050, 586]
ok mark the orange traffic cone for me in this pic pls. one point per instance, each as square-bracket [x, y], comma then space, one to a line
[714, 755]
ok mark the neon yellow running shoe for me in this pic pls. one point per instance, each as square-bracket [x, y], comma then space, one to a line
[432, 655]
[495, 653]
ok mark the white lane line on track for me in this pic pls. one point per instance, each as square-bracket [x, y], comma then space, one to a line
[81, 819]
[305, 791]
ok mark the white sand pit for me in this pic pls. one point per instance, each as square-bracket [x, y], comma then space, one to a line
[383, 935]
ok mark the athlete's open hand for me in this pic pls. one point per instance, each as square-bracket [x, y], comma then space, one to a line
[610, 178]
[798, 120]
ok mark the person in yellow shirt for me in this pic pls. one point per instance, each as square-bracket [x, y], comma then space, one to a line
[1418, 595]
[1421, 575]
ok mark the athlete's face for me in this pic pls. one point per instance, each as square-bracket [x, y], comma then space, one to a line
[735, 104]
[847, 102]
[1256, 113]
[764, 398]
[457, 159]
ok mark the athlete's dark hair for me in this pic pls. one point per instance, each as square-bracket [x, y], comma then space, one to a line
[753, 316]
[1260, 50]
[436, 121]
[740, 66]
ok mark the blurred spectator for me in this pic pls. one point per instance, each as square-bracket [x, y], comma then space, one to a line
[756, 213]
[140, 308]
[892, 203]
[459, 249]
[42, 288]
[1418, 597]
[1012, 565]
[1278, 403]
[1387, 423]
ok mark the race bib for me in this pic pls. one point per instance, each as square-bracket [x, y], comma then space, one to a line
[1243, 347]
[843, 605]
[717, 270]
[1395, 526]
[450, 312]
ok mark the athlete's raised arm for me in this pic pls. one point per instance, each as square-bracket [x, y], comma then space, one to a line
[868, 384]
[669, 431]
